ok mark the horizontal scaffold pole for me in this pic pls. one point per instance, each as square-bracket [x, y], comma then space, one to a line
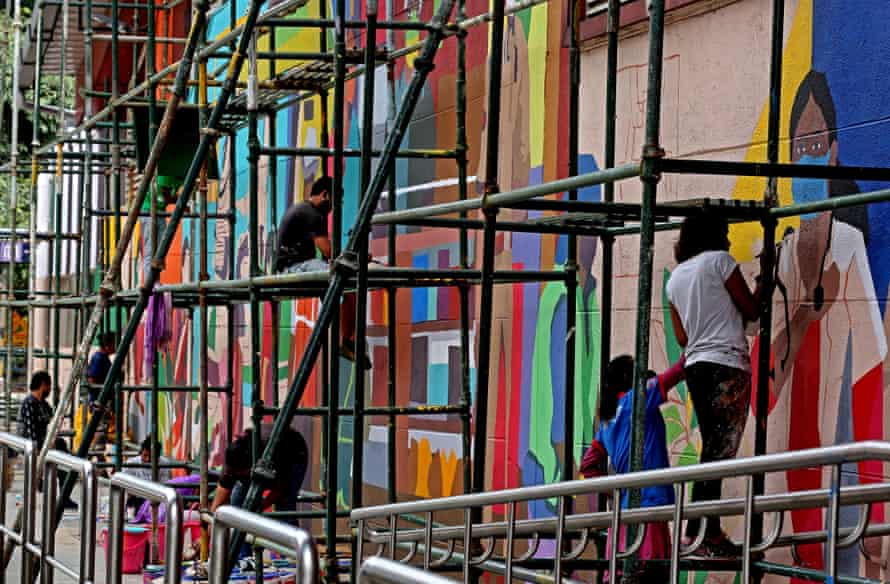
[720, 167]
[832, 204]
[523, 194]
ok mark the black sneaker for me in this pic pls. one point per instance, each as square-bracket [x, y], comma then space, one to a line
[721, 546]
[69, 504]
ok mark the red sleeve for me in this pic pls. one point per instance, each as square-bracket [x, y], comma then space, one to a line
[594, 462]
[672, 376]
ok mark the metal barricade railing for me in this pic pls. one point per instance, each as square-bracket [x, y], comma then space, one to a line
[285, 538]
[46, 549]
[121, 486]
[10, 442]
[478, 556]
[382, 571]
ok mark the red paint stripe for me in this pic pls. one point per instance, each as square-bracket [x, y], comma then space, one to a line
[803, 432]
[868, 424]
[516, 389]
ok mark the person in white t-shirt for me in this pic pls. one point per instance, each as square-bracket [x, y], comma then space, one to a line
[710, 303]
[144, 457]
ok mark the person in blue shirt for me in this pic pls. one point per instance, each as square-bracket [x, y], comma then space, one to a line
[100, 364]
[612, 443]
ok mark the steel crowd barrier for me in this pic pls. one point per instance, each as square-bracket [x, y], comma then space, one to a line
[377, 570]
[25, 535]
[45, 550]
[123, 484]
[480, 556]
[297, 542]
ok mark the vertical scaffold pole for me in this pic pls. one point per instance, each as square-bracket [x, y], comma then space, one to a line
[116, 203]
[35, 173]
[13, 207]
[256, 315]
[466, 397]
[651, 153]
[391, 292]
[608, 241]
[333, 429]
[361, 304]
[86, 214]
[323, 367]
[572, 259]
[768, 257]
[231, 310]
[203, 324]
[492, 152]
[59, 186]
[274, 304]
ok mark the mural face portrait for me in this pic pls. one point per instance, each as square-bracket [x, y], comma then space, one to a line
[813, 141]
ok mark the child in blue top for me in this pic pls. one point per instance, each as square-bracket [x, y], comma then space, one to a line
[612, 442]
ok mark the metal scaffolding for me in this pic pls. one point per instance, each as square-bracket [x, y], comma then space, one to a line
[93, 238]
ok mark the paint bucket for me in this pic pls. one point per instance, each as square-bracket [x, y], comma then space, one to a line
[152, 572]
[190, 528]
[135, 543]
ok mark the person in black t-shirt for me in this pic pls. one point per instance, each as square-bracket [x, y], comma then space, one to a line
[303, 230]
[302, 238]
[35, 415]
[291, 462]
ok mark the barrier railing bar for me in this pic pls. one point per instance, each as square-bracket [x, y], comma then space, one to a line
[846, 453]
[121, 485]
[851, 495]
[25, 536]
[295, 542]
[376, 570]
[56, 460]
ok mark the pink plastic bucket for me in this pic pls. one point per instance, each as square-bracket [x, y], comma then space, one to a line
[135, 540]
[192, 528]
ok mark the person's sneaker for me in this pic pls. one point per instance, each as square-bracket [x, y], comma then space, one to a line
[69, 504]
[247, 564]
[347, 349]
[722, 547]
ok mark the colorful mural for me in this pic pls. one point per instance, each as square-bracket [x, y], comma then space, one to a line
[829, 360]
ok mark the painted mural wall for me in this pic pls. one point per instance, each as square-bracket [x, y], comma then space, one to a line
[830, 384]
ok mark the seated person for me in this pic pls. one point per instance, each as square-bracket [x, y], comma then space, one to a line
[144, 457]
[302, 237]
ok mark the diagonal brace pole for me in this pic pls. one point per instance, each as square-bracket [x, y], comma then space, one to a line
[344, 266]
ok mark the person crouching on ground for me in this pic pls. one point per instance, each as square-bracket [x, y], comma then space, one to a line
[291, 462]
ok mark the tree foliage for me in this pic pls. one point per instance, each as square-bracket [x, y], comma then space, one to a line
[47, 122]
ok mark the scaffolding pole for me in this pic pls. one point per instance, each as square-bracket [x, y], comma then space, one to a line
[265, 471]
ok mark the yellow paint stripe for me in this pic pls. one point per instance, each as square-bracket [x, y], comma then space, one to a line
[797, 61]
